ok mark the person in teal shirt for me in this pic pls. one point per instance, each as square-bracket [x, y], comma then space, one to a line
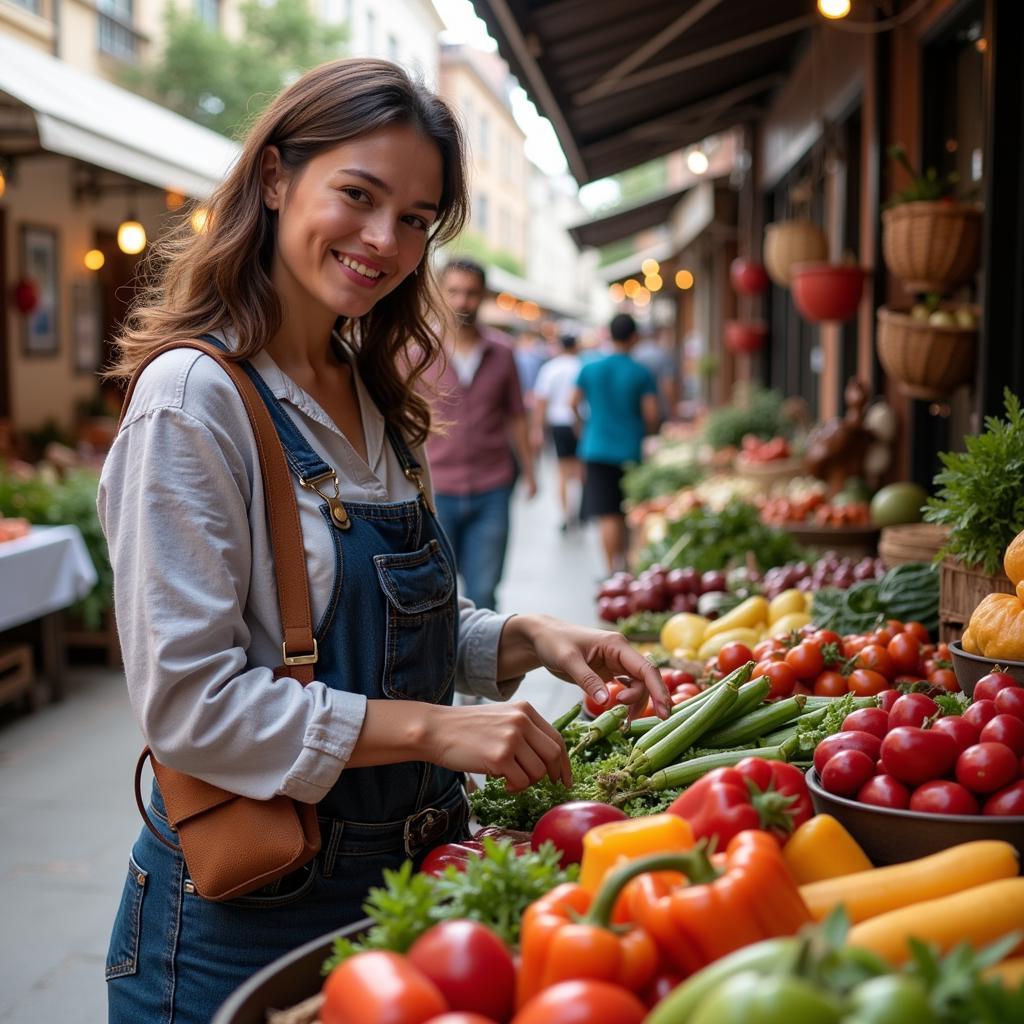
[622, 401]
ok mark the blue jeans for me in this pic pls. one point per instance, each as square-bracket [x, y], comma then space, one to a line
[477, 527]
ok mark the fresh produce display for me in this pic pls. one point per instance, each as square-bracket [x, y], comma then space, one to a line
[814, 508]
[980, 491]
[760, 415]
[898, 503]
[830, 570]
[623, 598]
[670, 469]
[754, 449]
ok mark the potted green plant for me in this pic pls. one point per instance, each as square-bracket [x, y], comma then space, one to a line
[931, 240]
[979, 497]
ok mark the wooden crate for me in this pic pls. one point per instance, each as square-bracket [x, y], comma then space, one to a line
[16, 675]
[961, 589]
[911, 542]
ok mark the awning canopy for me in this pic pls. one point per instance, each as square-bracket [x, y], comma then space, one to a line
[625, 81]
[627, 221]
[45, 103]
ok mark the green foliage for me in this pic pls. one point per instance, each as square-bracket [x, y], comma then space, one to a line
[49, 501]
[923, 187]
[663, 473]
[761, 416]
[493, 889]
[980, 492]
[475, 246]
[704, 539]
[224, 83]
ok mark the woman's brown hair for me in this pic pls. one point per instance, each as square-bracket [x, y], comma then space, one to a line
[220, 278]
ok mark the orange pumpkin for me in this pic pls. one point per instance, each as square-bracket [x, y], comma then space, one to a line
[1013, 560]
[996, 629]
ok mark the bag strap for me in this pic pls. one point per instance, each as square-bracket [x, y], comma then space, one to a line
[298, 649]
[143, 758]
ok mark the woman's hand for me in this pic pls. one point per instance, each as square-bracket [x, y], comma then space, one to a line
[588, 657]
[511, 740]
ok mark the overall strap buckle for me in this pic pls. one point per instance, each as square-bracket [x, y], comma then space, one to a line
[339, 515]
[413, 473]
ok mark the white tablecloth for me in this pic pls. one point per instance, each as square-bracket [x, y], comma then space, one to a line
[43, 572]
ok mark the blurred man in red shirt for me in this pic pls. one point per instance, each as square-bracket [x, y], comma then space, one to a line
[479, 406]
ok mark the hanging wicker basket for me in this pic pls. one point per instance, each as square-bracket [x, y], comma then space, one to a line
[791, 241]
[929, 361]
[932, 246]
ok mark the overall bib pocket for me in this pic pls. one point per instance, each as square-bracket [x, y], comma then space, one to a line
[420, 591]
[123, 953]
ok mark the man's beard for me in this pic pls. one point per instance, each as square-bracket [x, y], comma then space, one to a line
[464, 318]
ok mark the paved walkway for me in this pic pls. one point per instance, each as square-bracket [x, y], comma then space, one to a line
[68, 819]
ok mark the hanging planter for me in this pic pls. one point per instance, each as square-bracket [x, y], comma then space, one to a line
[745, 337]
[932, 246]
[928, 359]
[748, 278]
[827, 292]
[792, 241]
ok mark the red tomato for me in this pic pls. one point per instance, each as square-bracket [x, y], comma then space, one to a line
[734, 656]
[614, 689]
[887, 698]
[866, 683]
[460, 1018]
[1008, 801]
[981, 712]
[917, 755]
[965, 733]
[806, 659]
[782, 678]
[854, 645]
[1010, 701]
[1006, 729]
[846, 772]
[827, 636]
[832, 745]
[876, 658]
[872, 720]
[944, 678]
[379, 985]
[766, 647]
[884, 791]
[803, 687]
[582, 1002]
[988, 686]
[986, 767]
[894, 626]
[470, 965]
[943, 797]
[916, 629]
[912, 709]
[565, 825]
[905, 651]
[831, 684]
[687, 690]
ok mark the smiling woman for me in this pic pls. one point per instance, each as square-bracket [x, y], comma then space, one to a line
[313, 275]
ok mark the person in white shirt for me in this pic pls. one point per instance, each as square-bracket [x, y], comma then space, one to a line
[553, 410]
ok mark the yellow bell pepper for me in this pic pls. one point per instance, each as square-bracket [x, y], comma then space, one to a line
[748, 614]
[794, 620]
[783, 604]
[604, 846]
[714, 644]
[821, 848]
[683, 630]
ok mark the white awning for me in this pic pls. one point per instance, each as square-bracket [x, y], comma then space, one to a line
[82, 116]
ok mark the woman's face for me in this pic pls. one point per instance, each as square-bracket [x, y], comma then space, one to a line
[353, 221]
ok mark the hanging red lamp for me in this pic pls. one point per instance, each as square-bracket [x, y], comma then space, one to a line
[745, 337]
[748, 277]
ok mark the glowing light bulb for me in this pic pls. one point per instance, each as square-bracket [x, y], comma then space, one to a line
[94, 259]
[834, 9]
[131, 237]
[684, 279]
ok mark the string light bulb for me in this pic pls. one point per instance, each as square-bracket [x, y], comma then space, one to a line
[131, 237]
[94, 259]
[834, 9]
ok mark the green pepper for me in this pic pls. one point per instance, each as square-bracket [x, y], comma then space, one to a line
[751, 998]
[890, 999]
[769, 955]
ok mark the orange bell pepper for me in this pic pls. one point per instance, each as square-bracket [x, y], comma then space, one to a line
[717, 910]
[606, 846]
[567, 935]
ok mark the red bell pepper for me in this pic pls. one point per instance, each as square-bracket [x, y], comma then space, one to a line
[756, 794]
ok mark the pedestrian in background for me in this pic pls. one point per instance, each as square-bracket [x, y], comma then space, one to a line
[531, 353]
[479, 402]
[650, 351]
[553, 411]
[622, 400]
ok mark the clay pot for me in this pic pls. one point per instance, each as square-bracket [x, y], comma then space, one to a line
[748, 278]
[826, 292]
[744, 337]
[792, 241]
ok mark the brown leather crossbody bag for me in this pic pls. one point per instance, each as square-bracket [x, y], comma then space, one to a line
[233, 844]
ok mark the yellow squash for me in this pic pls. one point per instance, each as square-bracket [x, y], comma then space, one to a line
[784, 603]
[683, 630]
[980, 916]
[821, 848]
[748, 615]
[868, 894]
[741, 635]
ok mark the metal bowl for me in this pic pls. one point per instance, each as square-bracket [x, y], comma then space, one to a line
[889, 836]
[286, 982]
[969, 668]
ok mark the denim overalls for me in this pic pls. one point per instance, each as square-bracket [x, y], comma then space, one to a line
[389, 632]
